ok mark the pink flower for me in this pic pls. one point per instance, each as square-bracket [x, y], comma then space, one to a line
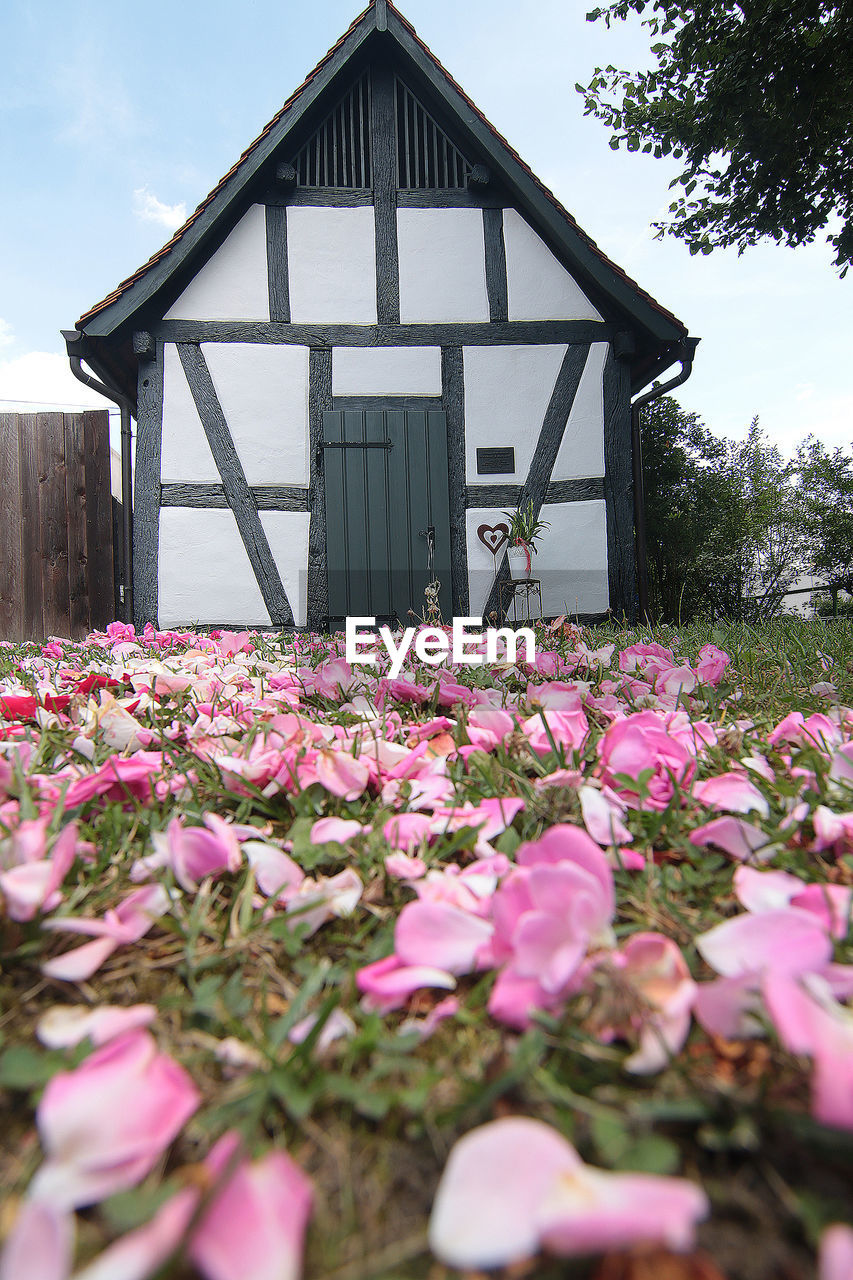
[566, 728]
[732, 792]
[275, 872]
[387, 984]
[313, 902]
[712, 663]
[786, 941]
[254, 1228]
[440, 936]
[338, 829]
[655, 969]
[602, 813]
[129, 922]
[403, 867]
[105, 1124]
[33, 886]
[40, 1245]
[515, 1185]
[676, 680]
[340, 773]
[810, 1021]
[640, 745]
[734, 836]
[67, 1025]
[836, 1253]
[194, 853]
[407, 831]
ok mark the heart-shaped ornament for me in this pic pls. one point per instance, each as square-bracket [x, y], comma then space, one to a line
[493, 537]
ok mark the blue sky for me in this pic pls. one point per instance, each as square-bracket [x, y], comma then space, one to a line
[115, 118]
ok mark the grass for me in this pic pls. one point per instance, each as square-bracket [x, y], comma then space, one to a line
[373, 1119]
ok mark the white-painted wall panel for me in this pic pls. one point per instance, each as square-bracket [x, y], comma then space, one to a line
[233, 283]
[204, 571]
[263, 391]
[287, 534]
[507, 390]
[442, 265]
[582, 448]
[389, 371]
[539, 287]
[185, 455]
[571, 562]
[331, 265]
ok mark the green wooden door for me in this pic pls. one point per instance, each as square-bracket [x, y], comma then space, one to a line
[386, 486]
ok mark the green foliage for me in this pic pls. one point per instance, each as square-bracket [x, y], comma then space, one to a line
[525, 529]
[826, 503]
[755, 100]
[722, 517]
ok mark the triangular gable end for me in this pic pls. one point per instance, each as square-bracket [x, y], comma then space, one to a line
[435, 153]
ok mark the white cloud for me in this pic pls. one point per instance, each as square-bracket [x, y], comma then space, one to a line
[42, 380]
[148, 208]
[7, 336]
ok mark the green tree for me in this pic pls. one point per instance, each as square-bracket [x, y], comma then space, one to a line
[754, 97]
[826, 499]
[723, 528]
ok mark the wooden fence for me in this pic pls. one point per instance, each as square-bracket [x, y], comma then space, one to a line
[56, 525]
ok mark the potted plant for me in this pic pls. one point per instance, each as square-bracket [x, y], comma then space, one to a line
[525, 530]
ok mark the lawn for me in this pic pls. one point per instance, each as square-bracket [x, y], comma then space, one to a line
[278, 933]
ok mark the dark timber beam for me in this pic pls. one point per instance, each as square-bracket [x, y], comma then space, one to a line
[384, 139]
[235, 486]
[509, 495]
[277, 269]
[556, 417]
[268, 497]
[451, 334]
[319, 401]
[146, 502]
[618, 487]
[453, 402]
[496, 283]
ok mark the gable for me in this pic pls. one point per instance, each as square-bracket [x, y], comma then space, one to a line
[320, 136]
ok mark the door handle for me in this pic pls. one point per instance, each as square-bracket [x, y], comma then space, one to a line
[429, 534]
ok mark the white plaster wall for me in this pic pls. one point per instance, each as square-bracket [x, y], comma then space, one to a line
[582, 448]
[204, 572]
[331, 265]
[287, 534]
[389, 371]
[507, 390]
[538, 286]
[442, 265]
[185, 455]
[263, 391]
[571, 562]
[233, 283]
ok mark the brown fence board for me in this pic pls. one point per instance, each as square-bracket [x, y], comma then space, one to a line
[56, 541]
[32, 622]
[10, 529]
[79, 612]
[99, 526]
[53, 514]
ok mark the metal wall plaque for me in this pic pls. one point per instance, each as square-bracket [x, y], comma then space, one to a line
[496, 462]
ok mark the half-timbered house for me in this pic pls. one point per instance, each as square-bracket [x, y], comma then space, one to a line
[378, 324]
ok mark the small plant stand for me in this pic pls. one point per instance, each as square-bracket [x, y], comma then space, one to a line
[509, 592]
